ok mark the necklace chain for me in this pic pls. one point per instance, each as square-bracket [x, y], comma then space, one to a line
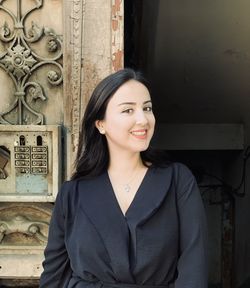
[127, 186]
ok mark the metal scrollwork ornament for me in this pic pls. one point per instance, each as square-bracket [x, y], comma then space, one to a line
[19, 61]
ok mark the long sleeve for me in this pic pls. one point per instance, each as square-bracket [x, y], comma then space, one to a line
[57, 271]
[192, 264]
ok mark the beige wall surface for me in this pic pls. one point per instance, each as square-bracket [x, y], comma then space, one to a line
[52, 54]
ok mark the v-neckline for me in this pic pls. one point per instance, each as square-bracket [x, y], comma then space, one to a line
[132, 203]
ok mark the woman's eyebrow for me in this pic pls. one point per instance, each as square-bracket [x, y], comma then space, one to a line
[146, 102]
[134, 103]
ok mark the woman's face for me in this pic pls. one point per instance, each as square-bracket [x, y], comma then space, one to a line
[129, 120]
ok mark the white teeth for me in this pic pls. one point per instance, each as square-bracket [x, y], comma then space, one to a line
[139, 133]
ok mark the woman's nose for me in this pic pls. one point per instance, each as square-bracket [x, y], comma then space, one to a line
[141, 118]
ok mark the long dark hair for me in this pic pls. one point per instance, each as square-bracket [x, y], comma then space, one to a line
[92, 157]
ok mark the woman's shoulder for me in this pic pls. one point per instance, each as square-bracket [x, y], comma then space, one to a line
[177, 175]
[71, 187]
[66, 190]
[179, 171]
[67, 186]
[69, 194]
[177, 167]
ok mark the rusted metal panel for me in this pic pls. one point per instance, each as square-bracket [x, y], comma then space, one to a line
[33, 170]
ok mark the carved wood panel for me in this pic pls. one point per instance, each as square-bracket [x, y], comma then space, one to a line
[52, 54]
[31, 61]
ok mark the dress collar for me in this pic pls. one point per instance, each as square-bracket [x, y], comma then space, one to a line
[118, 231]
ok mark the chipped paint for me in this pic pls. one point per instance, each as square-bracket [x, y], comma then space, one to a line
[117, 60]
[116, 6]
[117, 26]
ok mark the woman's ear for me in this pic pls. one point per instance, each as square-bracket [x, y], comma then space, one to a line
[99, 125]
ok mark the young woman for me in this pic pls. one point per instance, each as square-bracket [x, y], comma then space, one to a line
[125, 219]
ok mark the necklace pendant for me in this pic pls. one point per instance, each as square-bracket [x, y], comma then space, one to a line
[127, 188]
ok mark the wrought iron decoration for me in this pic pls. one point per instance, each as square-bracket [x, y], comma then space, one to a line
[19, 61]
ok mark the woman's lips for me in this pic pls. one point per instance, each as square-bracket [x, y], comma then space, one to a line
[140, 134]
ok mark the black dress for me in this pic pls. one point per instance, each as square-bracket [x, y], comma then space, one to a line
[160, 242]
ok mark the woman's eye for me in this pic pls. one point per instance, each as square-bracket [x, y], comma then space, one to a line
[128, 111]
[148, 109]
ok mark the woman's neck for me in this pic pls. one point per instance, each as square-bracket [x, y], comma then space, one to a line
[124, 163]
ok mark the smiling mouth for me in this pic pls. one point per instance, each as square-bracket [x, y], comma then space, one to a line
[140, 133]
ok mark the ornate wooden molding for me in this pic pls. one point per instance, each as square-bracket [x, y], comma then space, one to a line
[19, 61]
[77, 33]
[73, 35]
